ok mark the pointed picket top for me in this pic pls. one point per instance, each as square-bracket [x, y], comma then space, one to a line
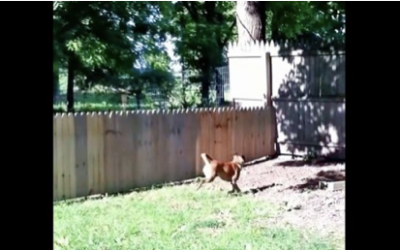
[275, 47]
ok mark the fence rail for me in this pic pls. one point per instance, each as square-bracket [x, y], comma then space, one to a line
[114, 152]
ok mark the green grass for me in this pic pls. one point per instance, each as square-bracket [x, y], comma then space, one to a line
[176, 218]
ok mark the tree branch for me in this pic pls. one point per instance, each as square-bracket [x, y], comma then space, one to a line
[224, 41]
[191, 11]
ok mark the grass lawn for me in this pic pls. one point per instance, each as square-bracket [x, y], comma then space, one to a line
[176, 218]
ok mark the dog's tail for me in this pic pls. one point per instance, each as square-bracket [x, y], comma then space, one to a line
[206, 158]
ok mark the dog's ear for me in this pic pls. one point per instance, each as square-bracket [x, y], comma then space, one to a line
[235, 154]
[244, 158]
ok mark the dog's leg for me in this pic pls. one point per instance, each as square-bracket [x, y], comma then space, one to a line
[206, 180]
[234, 180]
[235, 187]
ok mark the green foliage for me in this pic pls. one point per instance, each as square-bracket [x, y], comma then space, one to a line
[107, 39]
[202, 29]
[325, 20]
[184, 95]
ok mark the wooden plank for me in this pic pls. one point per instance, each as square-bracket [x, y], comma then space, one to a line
[199, 134]
[217, 127]
[100, 152]
[147, 139]
[259, 148]
[272, 131]
[246, 133]
[82, 188]
[109, 147]
[131, 150]
[166, 114]
[203, 138]
[232, 132]
[212, 140]
[136, 129]
[60, 163]
[337, 185]
[180, 142]
[192, 127]
[115, 163]
[124, 151]
[182, 146]
[229, 136]
[171, 168]
[254, 119]
[239, 131]
[66, 159]
[142, 164]
[261, 133]
[159, 145]
[256, 124]
[221, 134]
[95, 153]
[72, 160]
[226, 155]
[90, 153]
[332, 186]
[55, 163]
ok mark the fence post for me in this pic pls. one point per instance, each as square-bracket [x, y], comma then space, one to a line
[269, 79]
[268, 104]
[124, 99]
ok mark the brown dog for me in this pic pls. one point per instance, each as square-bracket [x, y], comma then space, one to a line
[227, 171]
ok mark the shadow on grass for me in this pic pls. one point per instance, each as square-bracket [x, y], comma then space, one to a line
[90, 196]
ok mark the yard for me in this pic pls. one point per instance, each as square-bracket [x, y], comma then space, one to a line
[283, 211]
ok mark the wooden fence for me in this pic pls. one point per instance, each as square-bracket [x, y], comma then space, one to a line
[114, 152]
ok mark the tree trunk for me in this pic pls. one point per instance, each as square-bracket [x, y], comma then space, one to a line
[56, 80]
[205, 88]
[250, 21]
[70, 85]
[138, 95]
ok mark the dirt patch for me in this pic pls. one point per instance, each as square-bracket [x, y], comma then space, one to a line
[294, 186]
